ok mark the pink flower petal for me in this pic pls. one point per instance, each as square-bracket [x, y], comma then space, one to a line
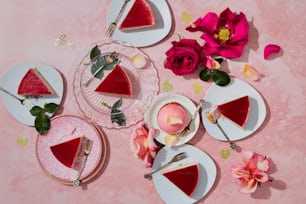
[251, 73]
[270, 49]
[151, 144]
[261, 176]
[248, 186]
[238, 171]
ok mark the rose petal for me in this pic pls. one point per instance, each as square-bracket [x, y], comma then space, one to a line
[251, 72]
[270, 49]
[152, 133]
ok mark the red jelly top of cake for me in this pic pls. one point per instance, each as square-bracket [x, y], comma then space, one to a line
[139, 16]
[116, 82]
[33, 83]
[185, 177]
[236, 110]
[68, 152]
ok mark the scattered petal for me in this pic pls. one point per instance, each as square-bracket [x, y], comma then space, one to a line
[22, 141]
[167, 86]
[225, 153]
[186, 17]
[171, 140]
[270, 49]
[139, 61]
[197, 88]
[251, 73]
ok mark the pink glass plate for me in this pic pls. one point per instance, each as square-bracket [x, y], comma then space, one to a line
[64, 128]
[144, 81]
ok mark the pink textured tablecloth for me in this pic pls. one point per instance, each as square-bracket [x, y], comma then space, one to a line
[28, 32]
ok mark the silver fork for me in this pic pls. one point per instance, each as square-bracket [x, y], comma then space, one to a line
[176, 158]
[23, 101]
[233, 145]
[111, 28]
[109, 59]
[187, 128]
[87, 150]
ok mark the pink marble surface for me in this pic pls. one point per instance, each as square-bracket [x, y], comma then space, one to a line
[28, 32]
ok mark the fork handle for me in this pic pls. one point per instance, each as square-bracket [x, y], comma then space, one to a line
[121, 11]
[149, 175]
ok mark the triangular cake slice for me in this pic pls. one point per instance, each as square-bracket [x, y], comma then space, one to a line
[116, 82]
[139, 16]
[33, 83]
[236, 110]
[70, 152]
[185, 177]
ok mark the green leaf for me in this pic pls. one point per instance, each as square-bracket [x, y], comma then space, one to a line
[42, 123]
[118, 117]
[50, 107]
[94, 53]
[95, 66]
[36, 110]
[117, 104]
[221, 78]
[205, 74]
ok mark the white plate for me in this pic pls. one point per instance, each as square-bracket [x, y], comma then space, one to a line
[236, 88]
[167, 190]
[158, 102]
[10, 81]
[142, 37]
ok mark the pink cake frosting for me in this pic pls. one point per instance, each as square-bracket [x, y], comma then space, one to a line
[172, 118]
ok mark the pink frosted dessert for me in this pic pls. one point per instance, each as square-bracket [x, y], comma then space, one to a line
[172, 118]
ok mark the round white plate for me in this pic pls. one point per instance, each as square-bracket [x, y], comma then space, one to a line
[167, 190]
[142, 37]
[158, 102]
[10, 81]
[216, 95]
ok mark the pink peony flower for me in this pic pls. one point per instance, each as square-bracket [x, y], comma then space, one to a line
[184, 57]
[225, 35]
[253, 172]
[142, 144]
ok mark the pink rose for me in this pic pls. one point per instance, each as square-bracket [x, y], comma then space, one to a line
[253, 172]
[142, 144]
[225, 35]
[184, 57]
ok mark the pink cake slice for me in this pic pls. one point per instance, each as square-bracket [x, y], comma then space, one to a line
[33, 83]
[139, 16]
[117, 82]
[185, 177]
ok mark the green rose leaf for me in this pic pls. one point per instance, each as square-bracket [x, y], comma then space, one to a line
[221, 78]
[205, 74]
[118, 117]
[117, 104]
[36, 110]
[94, 53]
[42, 123]
[50, 107]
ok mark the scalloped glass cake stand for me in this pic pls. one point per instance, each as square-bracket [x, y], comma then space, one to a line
[145, 84]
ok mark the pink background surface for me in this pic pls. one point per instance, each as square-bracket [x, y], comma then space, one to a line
[28, 32]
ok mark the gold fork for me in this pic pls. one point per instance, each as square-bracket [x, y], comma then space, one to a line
[109, 59]
[111, 28]
[87, 150]
[187, 128]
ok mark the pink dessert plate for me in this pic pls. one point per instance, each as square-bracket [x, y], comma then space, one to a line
[145, 85]
[64, 128]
